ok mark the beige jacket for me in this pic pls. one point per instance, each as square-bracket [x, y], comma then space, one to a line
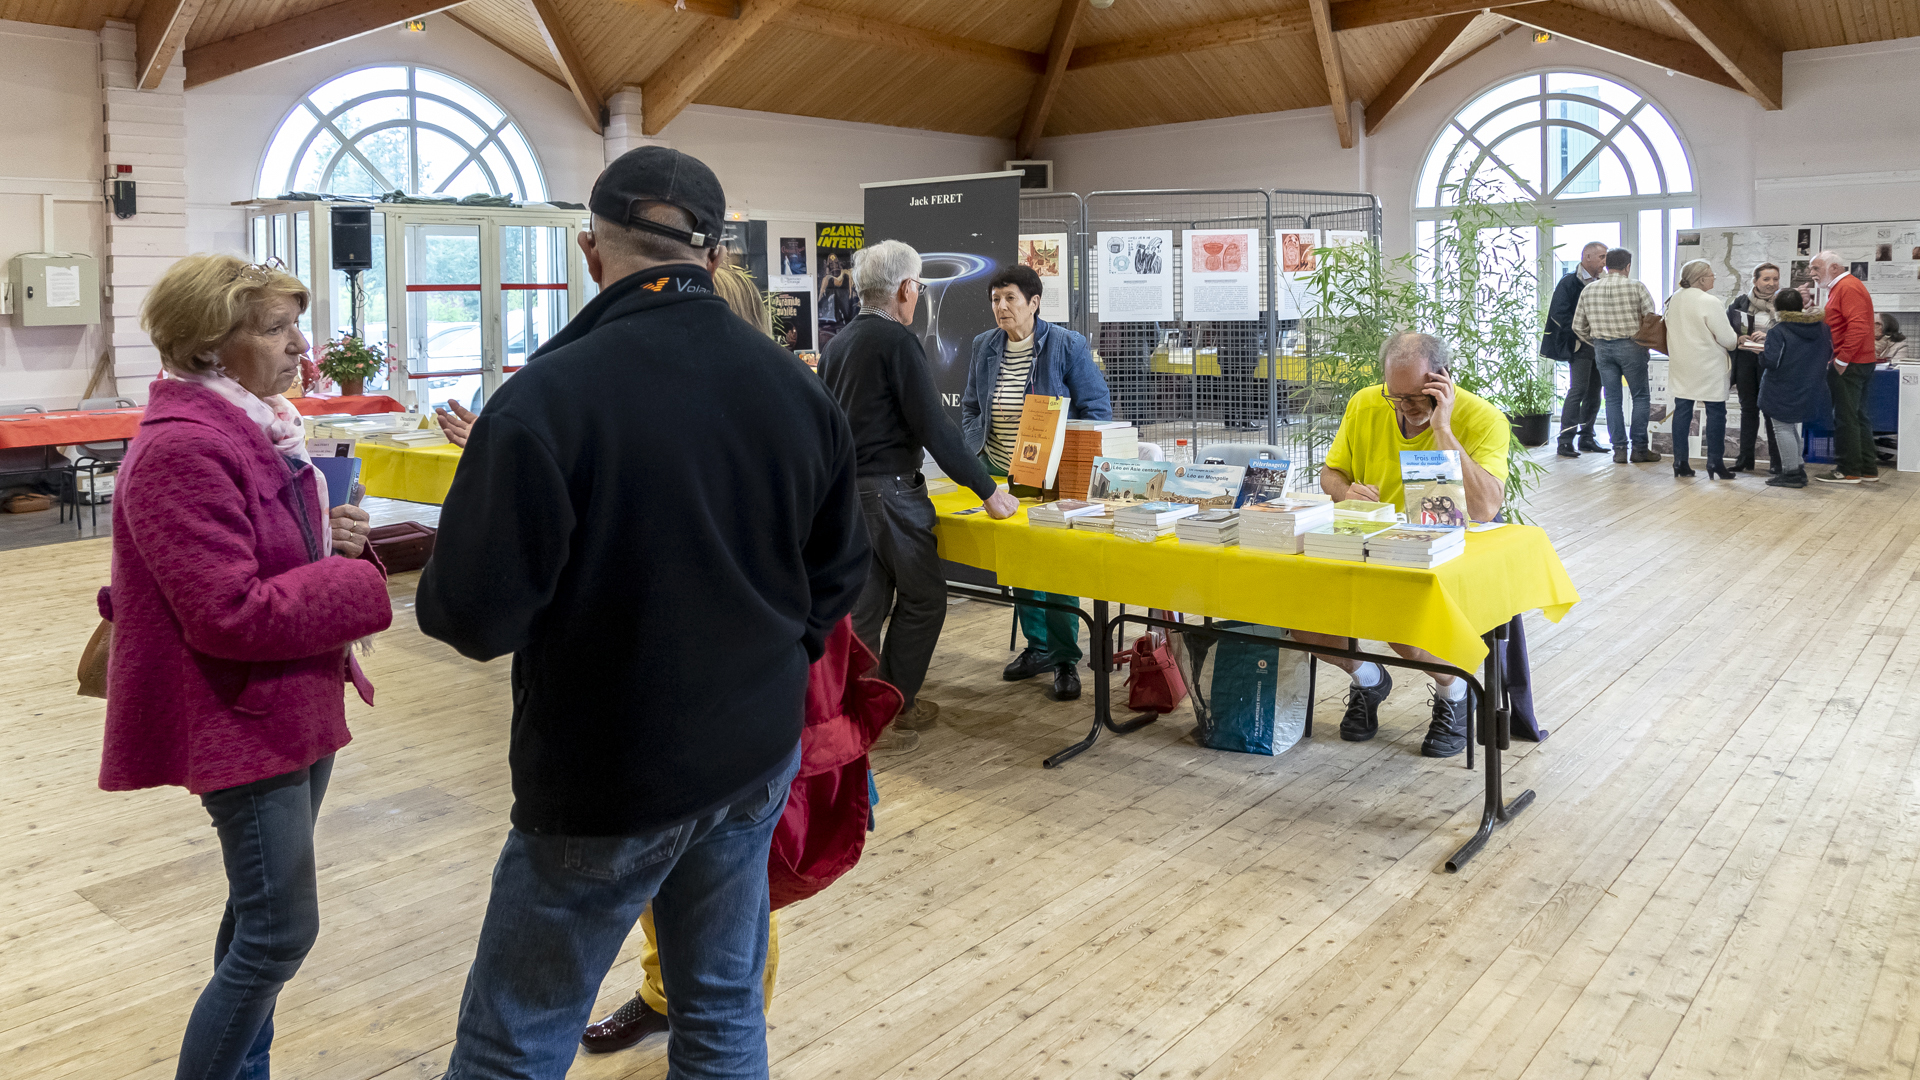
[1698, 337]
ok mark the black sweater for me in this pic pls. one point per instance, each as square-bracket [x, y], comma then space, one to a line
[658, 518]
[877, 371]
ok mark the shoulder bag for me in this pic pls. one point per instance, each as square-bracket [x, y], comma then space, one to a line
[1653, 331]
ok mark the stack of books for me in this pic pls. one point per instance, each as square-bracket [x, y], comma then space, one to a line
[1360, 510]
[1343, 540]
[410, 440]
[1421, 546]
[1060, 515]
[1100, 523]
[1150, 521]
[1219, 527]
[1281, 524]
[1089, 439]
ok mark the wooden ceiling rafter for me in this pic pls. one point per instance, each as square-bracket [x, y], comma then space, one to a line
[573, 72]
[1066, 24]
[1332, 68]
[1755, 62]
[834, 24]
[1356, 14]
[158, 37]
[1624, 39]
[488, 36]
[674, 85]
[1418, 68]
[301, 34]
[1194, 38]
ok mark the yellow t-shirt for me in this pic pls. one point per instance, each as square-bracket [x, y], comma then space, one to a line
[1367, 446]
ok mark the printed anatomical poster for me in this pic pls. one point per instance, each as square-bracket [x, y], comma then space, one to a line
[1295, 248]
[1046, 255]
[1136, 276]
[1222, 275]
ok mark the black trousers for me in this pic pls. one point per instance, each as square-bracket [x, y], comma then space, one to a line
[1583, 395]
[1746, 383]
[905, 591]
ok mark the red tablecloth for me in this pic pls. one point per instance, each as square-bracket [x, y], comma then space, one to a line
[357, 405]
[66, 428]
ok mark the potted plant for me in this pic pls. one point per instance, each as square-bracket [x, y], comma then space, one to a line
[349, 362]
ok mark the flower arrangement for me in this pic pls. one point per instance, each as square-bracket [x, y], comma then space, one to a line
[349, 362]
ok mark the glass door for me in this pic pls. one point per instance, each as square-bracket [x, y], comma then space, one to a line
[534, 297]
[446, 351]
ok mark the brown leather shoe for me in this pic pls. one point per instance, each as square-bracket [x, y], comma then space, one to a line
[923, 715]
[629, 1024]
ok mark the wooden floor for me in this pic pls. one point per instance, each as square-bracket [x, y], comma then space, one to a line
[1718, 877]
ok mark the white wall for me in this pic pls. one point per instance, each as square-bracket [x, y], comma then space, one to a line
[49, 148]
[1849, 110]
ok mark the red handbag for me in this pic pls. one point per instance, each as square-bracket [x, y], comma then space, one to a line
[1154, 683]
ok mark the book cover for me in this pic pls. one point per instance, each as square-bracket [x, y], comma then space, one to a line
[1206, 486]
[1414, 538]
[1127, 480]
[341, 473]
[1353, 529]
[1037, 444]
[1266, 478]
[1433, 489]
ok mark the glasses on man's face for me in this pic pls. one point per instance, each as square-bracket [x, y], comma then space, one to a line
[1414, 402]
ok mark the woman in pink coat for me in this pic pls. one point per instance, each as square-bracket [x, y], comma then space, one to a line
[235, 596]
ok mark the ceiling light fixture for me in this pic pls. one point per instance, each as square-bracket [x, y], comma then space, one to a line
[417, 26]
[1541, 37]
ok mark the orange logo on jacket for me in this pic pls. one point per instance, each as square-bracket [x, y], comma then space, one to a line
[655, 286]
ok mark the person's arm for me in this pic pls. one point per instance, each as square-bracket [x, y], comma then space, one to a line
[1338, 468]
[1486, 492]
[926, 420]
[1582, 329]
[458, 425]
[505, 532]
[1085, 385]
[1856, 327]
[1775, 348]
[1339, 486]
[1560, 316]
[1717, 325]
[836, 552]
[187, 515]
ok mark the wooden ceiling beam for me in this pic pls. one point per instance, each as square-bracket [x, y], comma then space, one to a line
[674, 84]
[487, 36]
[1354, 14]
[1424, 62]
[1066, 24]
[573, 71]
[301, 34]
[834, 24]
[157, 38]
[713, 9]
[1755, 62]
[1624, 39]
[1334, 70]
[1194, 39]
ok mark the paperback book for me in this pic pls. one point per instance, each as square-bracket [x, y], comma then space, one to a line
[1362, 510]
[1220, 527]
[1281, 524]
[1121, 481]
[1345, 540]
[1266, 478]
[1155, 514]
[1060, 515]
[1210, 487]
[1039, 442]
[1088, 440]
[1435, 494]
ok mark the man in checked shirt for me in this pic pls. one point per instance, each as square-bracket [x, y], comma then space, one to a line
[1607, 316]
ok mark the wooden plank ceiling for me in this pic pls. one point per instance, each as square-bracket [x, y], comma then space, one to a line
[982, 67]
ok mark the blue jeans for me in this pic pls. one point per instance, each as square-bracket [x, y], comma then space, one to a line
[560, 909]
[1713, 433]
[1620, 358]
[272, 919]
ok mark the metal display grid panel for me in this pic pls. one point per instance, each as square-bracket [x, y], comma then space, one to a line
[1064, 212]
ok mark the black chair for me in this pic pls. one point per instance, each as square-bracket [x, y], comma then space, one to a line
[95, 459]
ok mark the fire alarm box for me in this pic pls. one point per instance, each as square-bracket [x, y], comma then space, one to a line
[53, 289]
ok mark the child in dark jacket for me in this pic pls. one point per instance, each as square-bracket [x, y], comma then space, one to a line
[1799, 347]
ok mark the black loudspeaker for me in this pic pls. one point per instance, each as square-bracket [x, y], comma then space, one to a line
[352, 238]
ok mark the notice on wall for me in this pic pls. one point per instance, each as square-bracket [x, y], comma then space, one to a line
[1221, 282]
[1046, 255]
[1136, 276]
[1298, 261]
[1734, 254]
[789, 256]
[63, 286]
[793, 320]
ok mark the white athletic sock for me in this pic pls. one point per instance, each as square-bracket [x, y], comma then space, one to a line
[1367, 674]
[1453, 691]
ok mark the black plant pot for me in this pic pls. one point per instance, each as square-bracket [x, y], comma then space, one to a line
[1531, 428]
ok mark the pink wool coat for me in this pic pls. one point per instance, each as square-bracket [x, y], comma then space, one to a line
[229, 634]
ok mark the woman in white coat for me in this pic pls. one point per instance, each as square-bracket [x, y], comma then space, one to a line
[1698, 337]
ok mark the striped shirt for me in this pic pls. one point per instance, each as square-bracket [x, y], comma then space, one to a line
[1009, 396]
[1610, 308]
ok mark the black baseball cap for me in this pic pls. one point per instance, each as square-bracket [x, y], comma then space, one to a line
[656, 174]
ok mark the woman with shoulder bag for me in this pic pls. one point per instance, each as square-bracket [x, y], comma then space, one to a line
[236, 595]
[1751, 315]
[1698, 337]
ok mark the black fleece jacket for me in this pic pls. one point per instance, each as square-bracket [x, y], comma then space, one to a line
[658, 518]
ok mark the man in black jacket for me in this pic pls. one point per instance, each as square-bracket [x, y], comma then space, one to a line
[1560, 343]
[658, 518]
[877, 370]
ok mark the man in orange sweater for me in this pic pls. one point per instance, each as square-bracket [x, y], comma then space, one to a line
[1850, 318]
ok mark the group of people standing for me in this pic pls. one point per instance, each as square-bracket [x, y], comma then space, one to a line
[1770, 346]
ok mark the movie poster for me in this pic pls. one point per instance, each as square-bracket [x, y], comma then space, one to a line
[793, 320]
[1222, 278]
[1046, 255]
[1136, 276]
[834, 299]
[965, 228]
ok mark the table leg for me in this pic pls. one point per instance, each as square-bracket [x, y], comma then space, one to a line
[1102, 625]
[1495, 717]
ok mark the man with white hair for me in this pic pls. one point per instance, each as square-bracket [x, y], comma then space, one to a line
[878, 372]
[1850, 317]
[1416, 407]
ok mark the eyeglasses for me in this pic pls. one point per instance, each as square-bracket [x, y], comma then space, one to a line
[260, 271]
[1407, 401]
[918, 284]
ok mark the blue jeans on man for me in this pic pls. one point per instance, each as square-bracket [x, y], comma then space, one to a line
[561, 908]
[1618, 359]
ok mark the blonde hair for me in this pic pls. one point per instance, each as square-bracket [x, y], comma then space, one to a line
[1691, 273]
[736, 287]
[202, 299]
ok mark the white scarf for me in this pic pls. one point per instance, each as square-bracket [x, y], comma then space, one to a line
[276, 417]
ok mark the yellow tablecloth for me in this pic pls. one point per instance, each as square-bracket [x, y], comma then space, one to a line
[421, 476]
[1445, 610]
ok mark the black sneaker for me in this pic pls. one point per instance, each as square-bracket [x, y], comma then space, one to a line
[1362, 721]
[1567, 450]
[1029, 663]
[1795, 479]
[1066, 682]
[1452, 720]
[1590, 445]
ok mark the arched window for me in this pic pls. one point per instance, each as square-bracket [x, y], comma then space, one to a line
[400, 128]
[1597, 157]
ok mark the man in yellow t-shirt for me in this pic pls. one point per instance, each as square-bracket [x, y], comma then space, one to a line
[1417, 407]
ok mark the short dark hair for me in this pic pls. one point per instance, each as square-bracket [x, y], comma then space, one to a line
[1018, 274]
[1788, 300]
[640, 244]
[1619, 259]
